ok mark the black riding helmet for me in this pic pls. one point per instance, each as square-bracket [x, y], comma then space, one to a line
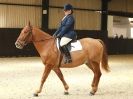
[68, 7]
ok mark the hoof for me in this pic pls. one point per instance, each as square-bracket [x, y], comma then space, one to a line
[35, 95]
[92, 94]
[66, 93]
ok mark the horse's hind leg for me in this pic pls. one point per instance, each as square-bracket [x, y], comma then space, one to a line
[95, 67]
[44, 77]
[60, 75]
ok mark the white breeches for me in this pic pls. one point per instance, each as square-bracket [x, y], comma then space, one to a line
[64, 41]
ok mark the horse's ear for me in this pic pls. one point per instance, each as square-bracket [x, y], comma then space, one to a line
[29, 24]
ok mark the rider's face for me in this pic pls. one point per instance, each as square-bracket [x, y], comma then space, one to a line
[67, 12]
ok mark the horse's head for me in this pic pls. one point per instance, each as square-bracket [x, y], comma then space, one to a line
[24, 37]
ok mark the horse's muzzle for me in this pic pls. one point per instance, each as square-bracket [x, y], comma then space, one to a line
[18, 45]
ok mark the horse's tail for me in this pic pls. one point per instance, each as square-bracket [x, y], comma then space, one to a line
[104, 62]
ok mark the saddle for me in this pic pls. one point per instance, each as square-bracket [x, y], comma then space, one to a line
[74, 45]
[69, 45]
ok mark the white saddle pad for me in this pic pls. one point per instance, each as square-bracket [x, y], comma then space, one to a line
[75, 46]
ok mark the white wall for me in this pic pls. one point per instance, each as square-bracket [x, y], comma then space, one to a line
[119, 28]
[120, 31]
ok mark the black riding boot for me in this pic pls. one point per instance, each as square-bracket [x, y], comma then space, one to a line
[67, 54]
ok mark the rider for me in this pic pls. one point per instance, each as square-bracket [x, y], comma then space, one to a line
[66, 31]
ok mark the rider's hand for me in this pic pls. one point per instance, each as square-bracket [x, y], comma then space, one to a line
[54, 35]
[58, 36]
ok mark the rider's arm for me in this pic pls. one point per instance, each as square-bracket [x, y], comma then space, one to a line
[67, 26]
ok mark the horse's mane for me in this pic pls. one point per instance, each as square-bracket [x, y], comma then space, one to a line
[40, 35]
[41, 31]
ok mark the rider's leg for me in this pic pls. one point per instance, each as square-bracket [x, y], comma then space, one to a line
[64, 41]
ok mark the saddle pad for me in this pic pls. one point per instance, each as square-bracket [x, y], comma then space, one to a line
[75, 46]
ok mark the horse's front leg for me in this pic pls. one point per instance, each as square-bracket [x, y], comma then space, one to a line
[44, 77]
[60, 75]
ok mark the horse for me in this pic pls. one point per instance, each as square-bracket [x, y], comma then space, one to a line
[93, 54]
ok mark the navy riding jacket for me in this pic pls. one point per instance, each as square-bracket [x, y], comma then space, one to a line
[66, 28]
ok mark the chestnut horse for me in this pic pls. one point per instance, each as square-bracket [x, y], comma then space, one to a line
[93, 54]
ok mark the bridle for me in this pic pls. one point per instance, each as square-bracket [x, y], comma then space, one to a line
[25, 41]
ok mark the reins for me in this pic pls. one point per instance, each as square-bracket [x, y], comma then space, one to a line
[36, 41]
